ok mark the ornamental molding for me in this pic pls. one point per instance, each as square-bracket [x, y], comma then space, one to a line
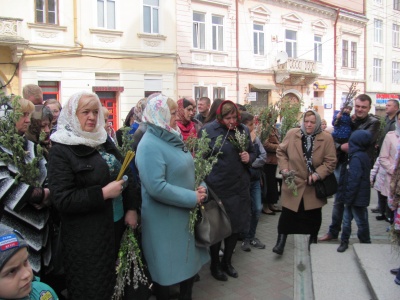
[152, 36]
[105, 31]
[225, 3]
[260, 13]
[152, 43]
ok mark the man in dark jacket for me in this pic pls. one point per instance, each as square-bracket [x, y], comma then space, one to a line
[362, 121]
[354, 189]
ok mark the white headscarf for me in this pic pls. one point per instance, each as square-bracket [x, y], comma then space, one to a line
[69, 131]
[157, 112]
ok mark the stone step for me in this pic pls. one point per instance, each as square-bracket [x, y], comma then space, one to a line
[337, 275]
[376, 260]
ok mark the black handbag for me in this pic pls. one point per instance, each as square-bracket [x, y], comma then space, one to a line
[327, 187]
[213, 224]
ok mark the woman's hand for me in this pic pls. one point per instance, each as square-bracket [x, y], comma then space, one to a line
[312, 178]
[131, 218]
[113, 189]
[45, 201]
[244, 157]
[200, 195]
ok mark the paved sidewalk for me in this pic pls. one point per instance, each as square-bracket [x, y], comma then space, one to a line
[265, 275]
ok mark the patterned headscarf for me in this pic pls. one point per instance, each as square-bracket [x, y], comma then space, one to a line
[157, 112]
[220, 116]
[139, 109]
[69, 131]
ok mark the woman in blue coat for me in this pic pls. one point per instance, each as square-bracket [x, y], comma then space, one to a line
[166, 172]
[230, 180]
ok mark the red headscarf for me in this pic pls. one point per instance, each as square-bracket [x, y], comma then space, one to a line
[187, 127]
[220, 117]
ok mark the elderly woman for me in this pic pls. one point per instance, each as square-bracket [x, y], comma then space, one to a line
[38, 126]
[230, 180]
[166, 171]
[310, 153]
[83, 167]
[24, 196]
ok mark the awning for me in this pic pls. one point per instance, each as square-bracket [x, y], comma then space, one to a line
[263, 86]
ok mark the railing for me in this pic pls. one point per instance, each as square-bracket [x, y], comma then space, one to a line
[299, 65]
[10, 27]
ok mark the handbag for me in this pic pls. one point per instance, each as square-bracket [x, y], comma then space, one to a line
[213, 224]
[327, 187]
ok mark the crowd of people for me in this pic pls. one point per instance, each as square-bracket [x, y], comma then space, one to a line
[64, 193]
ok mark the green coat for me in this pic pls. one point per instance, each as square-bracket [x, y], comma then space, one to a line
[167, 175]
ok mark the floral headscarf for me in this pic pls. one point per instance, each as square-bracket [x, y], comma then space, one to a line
[139, 109]
[157, 112]
[69, 131]
[220, 117]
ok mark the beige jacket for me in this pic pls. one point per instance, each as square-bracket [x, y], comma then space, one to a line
[290, 156]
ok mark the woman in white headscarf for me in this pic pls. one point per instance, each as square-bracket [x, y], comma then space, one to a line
[82, 170]
[166, 172]
[310, 153]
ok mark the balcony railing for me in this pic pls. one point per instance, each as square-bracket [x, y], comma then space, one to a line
[298, 66]
[10, 27]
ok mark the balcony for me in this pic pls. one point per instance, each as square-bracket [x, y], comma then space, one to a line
[296, 72]
[10, 36]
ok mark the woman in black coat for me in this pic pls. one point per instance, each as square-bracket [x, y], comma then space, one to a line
[230, 180]
[82, 170]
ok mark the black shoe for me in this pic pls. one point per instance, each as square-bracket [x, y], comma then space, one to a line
[380, 218]
[218, 273]
[343, 246]
[230, 270]
[394, 271]
[375, 210]
[280, 244]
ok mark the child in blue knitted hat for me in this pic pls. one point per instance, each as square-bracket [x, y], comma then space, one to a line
[16, 276]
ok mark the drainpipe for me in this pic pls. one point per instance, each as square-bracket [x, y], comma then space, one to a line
[237, 51]
[334, 55]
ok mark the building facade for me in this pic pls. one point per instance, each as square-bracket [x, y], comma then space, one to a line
[122, 50]
[383, 52]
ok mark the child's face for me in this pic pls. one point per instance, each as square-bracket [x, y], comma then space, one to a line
[16, 276]
[250, 125]
[347, 109]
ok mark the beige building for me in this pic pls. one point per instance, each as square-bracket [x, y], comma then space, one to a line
[383, 52]
[262, 51]
[122, 50]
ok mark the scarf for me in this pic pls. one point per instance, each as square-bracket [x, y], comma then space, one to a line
[69, 131]
[157, 112]
[220, 117]
[308, 139]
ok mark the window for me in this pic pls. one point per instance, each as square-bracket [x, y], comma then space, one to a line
[377, 68]
[317, 48]
[353, 58]
[51, 89]
[378, 1]
[396, 4]
[396, 72]
[150, 16]
[258, 39]
[199, 30]
[396, 36]
[345, 53]
[200, 91]
[291, 43]
[106, 14]
[378, 24]
[46, 11]
[218, 93]
[217, 33]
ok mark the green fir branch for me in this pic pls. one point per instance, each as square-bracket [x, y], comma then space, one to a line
[130, 268]
[28, 168]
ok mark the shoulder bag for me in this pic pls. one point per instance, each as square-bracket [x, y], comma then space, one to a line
[326, 187]
[213, 224]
